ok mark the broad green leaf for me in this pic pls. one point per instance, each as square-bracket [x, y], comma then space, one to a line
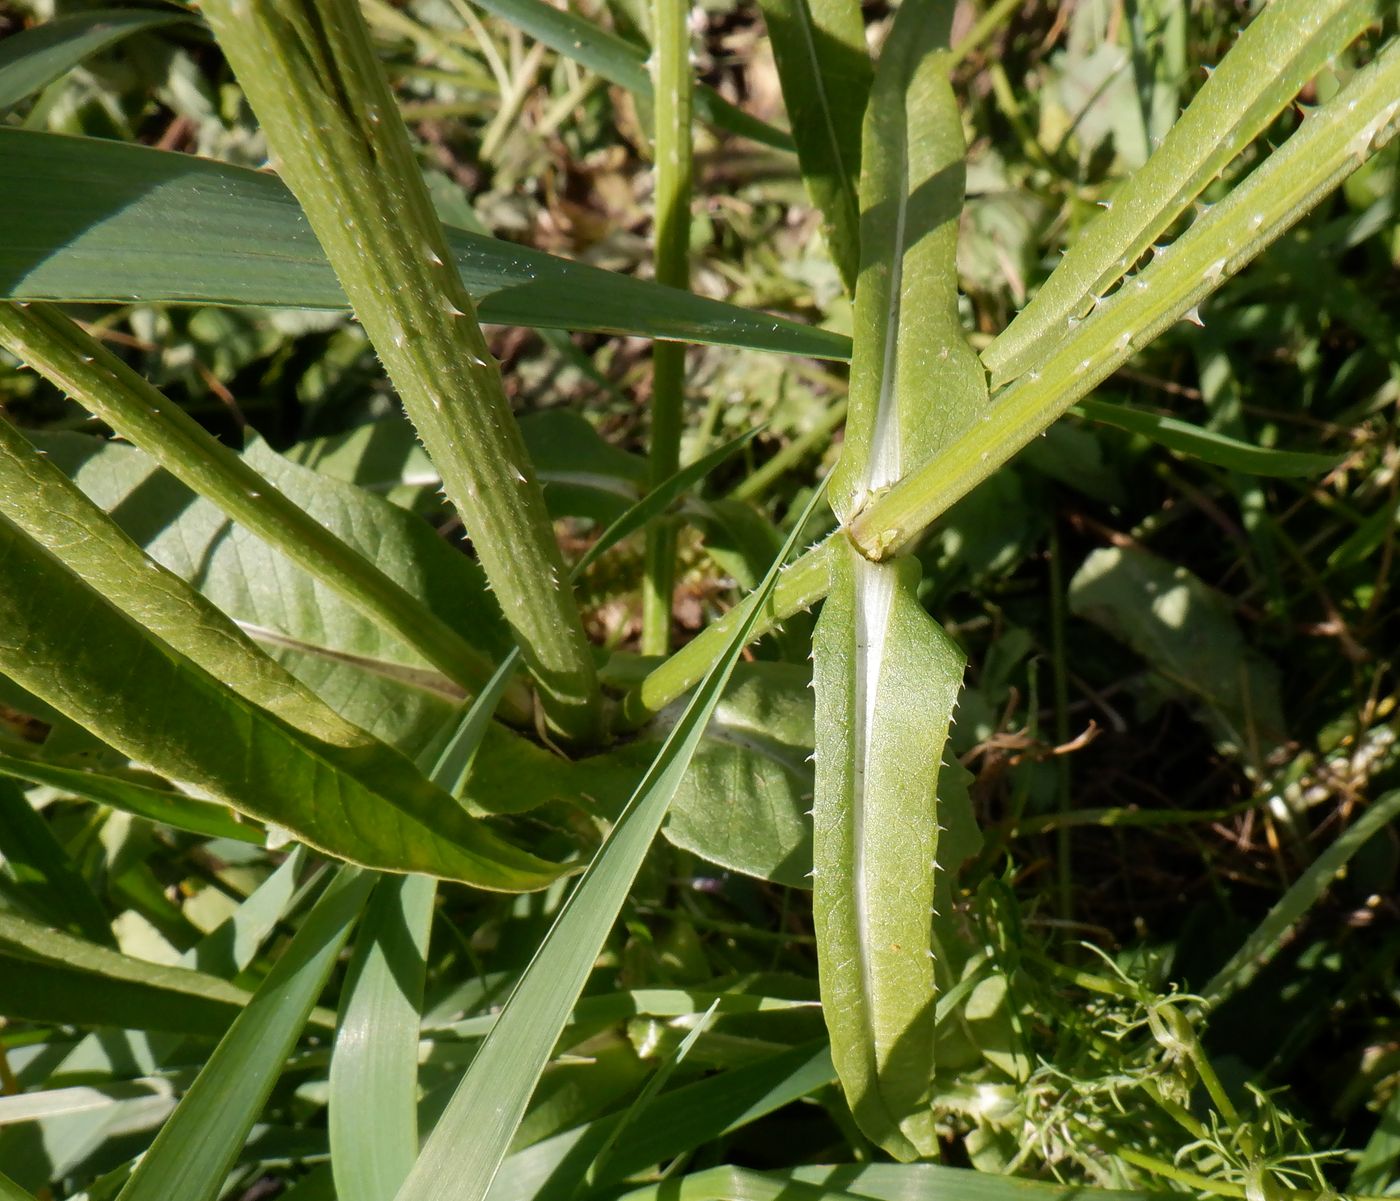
[677, 1122]
[887, 680]
[621, 62]
[745, 801]
[373, 1109]
[83, 219]
[256, 584]
[71, 646]
[887, 677]
[465, 1150]
[825, 72]
[49, 976]
[1209, 446]
[155, 804]
[1280, 51]
[1188, 634]
[915, 382]
[1263, 944]
[1334, 141]
[36, 871]
[34, 58]
[199, 1144]
[43, 338]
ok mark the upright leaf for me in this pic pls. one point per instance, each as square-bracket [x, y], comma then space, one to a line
[199, 1144]
[887, 676]
[312, 76]
[825, 72]
[464, 1152]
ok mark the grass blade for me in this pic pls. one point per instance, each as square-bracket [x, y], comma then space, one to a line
[622, 63]
[92, 220]
[49, 976]
[40, 875]
[1261, 946]
[1209, 446]
[1280, 51]
[200, 1142]
[373, 1113]
[464, 1152]
[33, 59]
[155, 804]
[825, 72]
[10, 1191]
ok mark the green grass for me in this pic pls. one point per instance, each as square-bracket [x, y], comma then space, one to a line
[342, 701]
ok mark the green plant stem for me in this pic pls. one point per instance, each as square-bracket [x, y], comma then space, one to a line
[986, 25]
[799, 587]
[309, 70]
[673, 89]
[87, 371]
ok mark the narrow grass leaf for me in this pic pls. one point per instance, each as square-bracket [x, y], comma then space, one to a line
[10, 1191]
[825, 73]
[1271, 933]
[93, 220]
[38, 874]
[70, 646]
[234, 943]
[621, 62]
[678, 1122]
[200, 1142]
[887, 677]
[1287, 44]
[872, 1182]
[1209, 446]
[49, 976]
[169, 808]
[464, 1152]
[34, 58]
[373, 1106]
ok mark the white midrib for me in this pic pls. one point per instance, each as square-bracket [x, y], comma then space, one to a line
[804, 16]
[882, 465]
[874, 598]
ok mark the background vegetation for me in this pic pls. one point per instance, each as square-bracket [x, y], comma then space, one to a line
[1177, 609]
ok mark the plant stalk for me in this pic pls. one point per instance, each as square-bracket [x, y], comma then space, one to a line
[310, 73]
[673, 90]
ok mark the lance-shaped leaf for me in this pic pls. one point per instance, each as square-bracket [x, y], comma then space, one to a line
[66, 643]
[887, 676]
[915, 381]
[1283, 48]
[825, 72]
[887, 680]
